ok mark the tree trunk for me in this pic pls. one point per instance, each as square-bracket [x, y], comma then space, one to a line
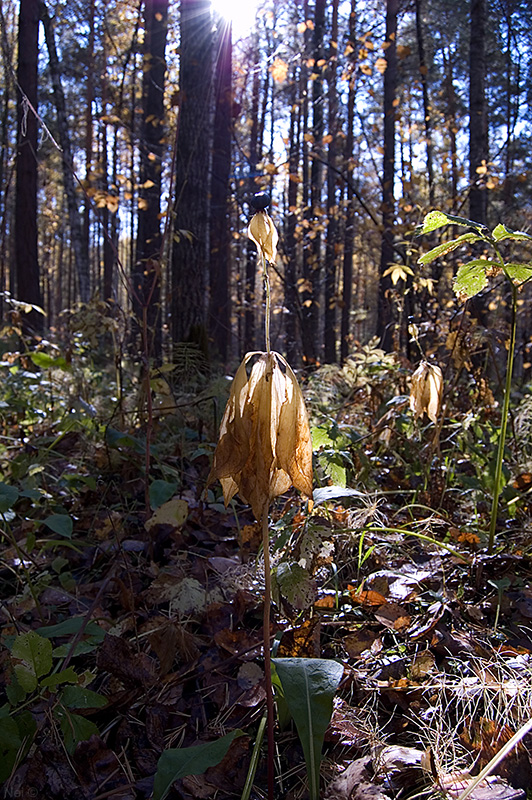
[251, 250]
[478, 116]
[146, 278]
[349, 235]
[330, 292]
[27, 271]
[312, 261]
[219, 316]
[75, 220]
[427, 111]
[385, 323]
[290, 272]
[191, 208]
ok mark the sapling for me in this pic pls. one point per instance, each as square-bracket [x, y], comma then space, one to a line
[469, 281]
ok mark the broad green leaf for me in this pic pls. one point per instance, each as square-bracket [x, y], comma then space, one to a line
[161, 492]
[309, 685]
[8, 497]
[61, 524]
[447, 247]
[45, 361]
[325, 493]
[471, 278]
[9, 746]
[75, 728]
[437, 219]
[68, 675]
[321, 437]
[519, 273]
[116, 439]
[79, 697]
[295, 584]
[34, 654]
[502, 232]
[179, 762]
[70, 626]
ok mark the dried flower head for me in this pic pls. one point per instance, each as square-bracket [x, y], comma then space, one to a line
[264, 445]
[426, 391]
[263, 232]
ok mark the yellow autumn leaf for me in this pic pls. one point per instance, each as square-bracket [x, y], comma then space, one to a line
[279, 70]
[381, 65]
[426, 391]
[264, 446]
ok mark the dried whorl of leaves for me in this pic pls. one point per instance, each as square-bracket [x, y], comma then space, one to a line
[263, 232]
[264, 445]
[426, 391]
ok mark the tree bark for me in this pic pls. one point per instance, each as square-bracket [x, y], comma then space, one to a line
[27, 271]
[146, 276]
[219, 308]
[478, 116]
[427, 111]
[349, 234]
[385, 322]
[81, 256]
[330, 289]
[191, 207]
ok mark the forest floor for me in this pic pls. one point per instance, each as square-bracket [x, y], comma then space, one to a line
[128, 630]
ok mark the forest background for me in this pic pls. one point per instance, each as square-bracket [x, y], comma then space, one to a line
[134, 135]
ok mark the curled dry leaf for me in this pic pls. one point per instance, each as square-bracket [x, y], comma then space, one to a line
[263, 232]
[426, 391]
[264, 446]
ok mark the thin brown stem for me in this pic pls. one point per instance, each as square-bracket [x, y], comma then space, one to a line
[266, 647]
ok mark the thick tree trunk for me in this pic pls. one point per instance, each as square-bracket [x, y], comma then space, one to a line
[219, 310]
[478, 116]
[427, 110]
[191, 207]
[330, 289]
[146, 278]
[385, 322]
[27, 272]
[81, 256]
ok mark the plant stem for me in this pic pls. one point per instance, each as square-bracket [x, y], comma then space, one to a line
[268, 300]
[504, 422]
[266, 648]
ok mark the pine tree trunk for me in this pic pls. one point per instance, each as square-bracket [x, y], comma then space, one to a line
[146, 277]
[349, 234]
[191, 207]
[330, 298]
[478, 116]
[27, 271]
[385, 322]
[427, 111]
[81, 256]
[219, 310]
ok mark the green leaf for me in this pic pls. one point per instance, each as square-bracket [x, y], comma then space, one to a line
[75, 728]
[182, 761]
[437, 219]
[68, 675]
[35, 654]
[518, 273]
[447, 247]
[79, 697]
[160, 492]
[45, 361]
[309, 685]
[471, 278]
[502, 232]
[116, 439]
[10, 743]
[8, 497]
[70, 626]
[61, 524]
[295, 584]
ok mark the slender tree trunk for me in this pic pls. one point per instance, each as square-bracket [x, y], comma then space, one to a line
[427, 110]
[452, 127]
[478, 116]
[290, 273]
[75, 221]
[146, 276]
[191, 208]
[219, 309]
[88, 130]
[385, 323]
[312, 263]
[27, 271]
[330, 289]
[347, 266]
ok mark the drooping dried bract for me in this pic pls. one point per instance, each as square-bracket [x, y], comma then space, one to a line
[263, 232]
[264, 445]
[426, 391]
